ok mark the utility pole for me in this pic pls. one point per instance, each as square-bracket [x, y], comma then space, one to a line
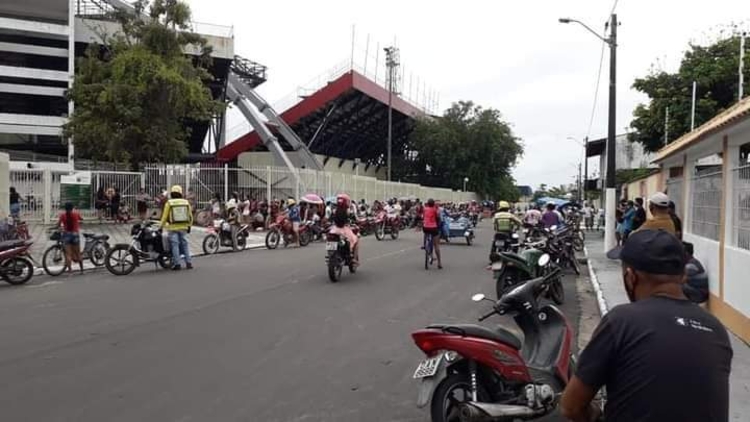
[391, 63]
[585, 166]
[692, 111]
[666, 126]
[580, 186]
[742, 65]
[609, 238]
[610, 194]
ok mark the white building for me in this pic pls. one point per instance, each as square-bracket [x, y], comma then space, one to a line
[39, 40]
[707, 173]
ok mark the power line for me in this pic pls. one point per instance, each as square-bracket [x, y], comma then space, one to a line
[596, 91]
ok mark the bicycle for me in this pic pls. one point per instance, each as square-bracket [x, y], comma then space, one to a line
[428, 249]
[95, 249]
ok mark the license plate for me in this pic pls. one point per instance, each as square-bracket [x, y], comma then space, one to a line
[332, 246]
[500, 243]
[428, 367]
[456, 227]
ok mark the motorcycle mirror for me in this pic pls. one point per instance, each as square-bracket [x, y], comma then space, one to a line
[478, 297]
[543, 260]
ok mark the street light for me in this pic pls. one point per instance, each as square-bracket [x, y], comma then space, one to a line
[609, 236]
[466, 180]
[392, 62]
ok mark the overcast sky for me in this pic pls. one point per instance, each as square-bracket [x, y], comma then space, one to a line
[510, 55]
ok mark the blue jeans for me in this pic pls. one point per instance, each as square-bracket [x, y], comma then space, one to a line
[179, 243]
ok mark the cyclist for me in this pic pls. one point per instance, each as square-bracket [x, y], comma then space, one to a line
[505, 223]
[430, 227]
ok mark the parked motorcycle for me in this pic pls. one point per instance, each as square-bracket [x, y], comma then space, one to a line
[339, 254]
[561, 249]
[473, 373]
[280, 231]
[510, 269]
[366, 225]
[225, 234]
[387, 224]
[148, 244]
[95, 250]
[16, 266]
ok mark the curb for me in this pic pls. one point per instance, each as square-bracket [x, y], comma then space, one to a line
[603, 308]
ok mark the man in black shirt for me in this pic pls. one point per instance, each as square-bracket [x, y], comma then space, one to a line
[640, 214]
[662, 358]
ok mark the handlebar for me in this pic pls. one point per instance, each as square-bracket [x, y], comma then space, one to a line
[483, 317]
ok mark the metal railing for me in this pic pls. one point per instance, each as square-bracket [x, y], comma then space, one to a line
[741, 207]
[705, 216]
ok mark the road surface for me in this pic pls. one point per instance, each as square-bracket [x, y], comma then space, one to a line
[254, 336]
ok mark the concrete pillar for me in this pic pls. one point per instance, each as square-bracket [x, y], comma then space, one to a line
[47, 198]
[4, 185]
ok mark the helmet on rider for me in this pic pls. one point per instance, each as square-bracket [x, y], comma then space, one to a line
[343, 200]
[503, 206]
[176, 189]
[290, 202]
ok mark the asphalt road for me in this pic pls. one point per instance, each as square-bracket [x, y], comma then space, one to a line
[254, 336]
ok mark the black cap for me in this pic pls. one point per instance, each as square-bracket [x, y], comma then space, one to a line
[652, 251]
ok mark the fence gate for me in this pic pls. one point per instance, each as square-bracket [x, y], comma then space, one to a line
[127, 184]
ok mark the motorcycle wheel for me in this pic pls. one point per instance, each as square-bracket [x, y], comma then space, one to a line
[380, 231]
[578, 244]
[240, 242]
[165, 261]
[120, 260]
[450, 394]
[334, 268]
[305, 238]
[575, 264]
[17, 271]
[272, 239]
[352, 268]
[210, 244]
[98, 254]
[394, 233]
[53, 260]
[557, 292]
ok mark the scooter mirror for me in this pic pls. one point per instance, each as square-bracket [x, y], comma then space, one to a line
[543, 260]
[478, 297]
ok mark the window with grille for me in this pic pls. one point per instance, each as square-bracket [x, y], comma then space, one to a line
[741, 199]
[706, 191]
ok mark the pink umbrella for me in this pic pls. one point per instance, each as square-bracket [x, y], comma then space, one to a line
[312, 198]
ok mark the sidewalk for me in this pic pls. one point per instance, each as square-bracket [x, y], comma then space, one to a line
[606, 275]
[120, 233]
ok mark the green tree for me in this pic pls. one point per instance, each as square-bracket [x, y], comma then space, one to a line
[467, 141]
[135, 91]
[713, 67]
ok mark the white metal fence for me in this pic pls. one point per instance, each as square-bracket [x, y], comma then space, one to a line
[741, 207]
[40, 189]
[705, 215]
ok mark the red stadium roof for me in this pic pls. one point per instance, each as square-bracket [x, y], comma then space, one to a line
[350, 109]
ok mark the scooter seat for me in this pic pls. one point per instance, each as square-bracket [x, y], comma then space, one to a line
[95, 236]
[10, 244]
[499, 334]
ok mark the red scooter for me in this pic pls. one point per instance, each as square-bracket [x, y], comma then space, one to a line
[15, 263]
[473, 373]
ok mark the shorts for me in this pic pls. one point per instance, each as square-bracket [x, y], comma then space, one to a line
[69, 238]
[432, 231]
[295, 225]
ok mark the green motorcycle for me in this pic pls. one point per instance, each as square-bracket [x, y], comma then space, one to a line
[511, 269]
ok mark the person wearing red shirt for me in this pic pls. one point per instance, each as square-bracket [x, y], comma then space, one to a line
[431, 227]
[70, 225]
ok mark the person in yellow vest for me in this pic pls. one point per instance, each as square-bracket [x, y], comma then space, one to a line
[505, 223]
[177, 218]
